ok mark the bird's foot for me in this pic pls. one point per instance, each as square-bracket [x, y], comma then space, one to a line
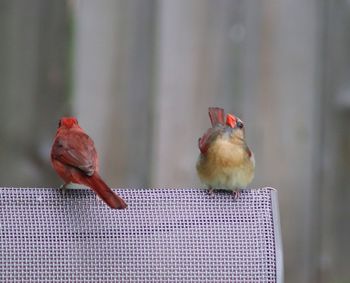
[210, 191]
[236, 194]
[63, 189]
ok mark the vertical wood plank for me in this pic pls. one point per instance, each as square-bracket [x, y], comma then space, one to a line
[334, 178]
[33, 75]
[113, 72]
[282, 111]
[197, 66]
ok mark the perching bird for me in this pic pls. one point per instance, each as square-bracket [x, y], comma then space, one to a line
[74, 158]
[225, 160]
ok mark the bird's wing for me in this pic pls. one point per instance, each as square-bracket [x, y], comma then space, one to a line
[249, 152]
[77, 150]
[209, 136]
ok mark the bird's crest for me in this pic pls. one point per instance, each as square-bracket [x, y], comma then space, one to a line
[217, 115]
[68, 122]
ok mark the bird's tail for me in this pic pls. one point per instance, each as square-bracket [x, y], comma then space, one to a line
[105, 192]
[217, 115]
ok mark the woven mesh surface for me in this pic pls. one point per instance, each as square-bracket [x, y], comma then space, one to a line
[180, 235]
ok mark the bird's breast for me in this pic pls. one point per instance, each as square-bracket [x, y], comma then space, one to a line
[225, 164]
[223, 153]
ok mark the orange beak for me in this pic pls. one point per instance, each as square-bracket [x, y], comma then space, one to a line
[231, 120]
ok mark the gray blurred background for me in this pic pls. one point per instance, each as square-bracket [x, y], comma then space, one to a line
[140, 74]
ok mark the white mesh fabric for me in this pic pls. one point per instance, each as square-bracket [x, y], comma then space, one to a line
[165, 235]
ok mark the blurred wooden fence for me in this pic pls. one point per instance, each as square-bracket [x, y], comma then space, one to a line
[34, 82]
[140, 75]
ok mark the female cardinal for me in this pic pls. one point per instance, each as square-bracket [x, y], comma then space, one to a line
[225, 161]
[74, 158]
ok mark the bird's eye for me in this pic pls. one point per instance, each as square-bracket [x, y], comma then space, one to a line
[59, 123]
[240, 124]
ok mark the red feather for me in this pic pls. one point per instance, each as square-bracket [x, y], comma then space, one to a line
[205, 141]
[74, 158]
[249, 152]
[217, 116]
[104, 192]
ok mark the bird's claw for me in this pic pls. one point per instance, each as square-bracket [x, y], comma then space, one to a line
[210, 191]
[236, 194]
[63, 189]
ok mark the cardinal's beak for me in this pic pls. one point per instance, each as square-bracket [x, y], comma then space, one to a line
[231, 120]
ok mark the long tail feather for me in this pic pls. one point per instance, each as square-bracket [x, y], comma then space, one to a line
[217, 115]
[105, 193]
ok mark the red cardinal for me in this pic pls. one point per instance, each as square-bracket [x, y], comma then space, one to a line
[225, 161]
[74, 158]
